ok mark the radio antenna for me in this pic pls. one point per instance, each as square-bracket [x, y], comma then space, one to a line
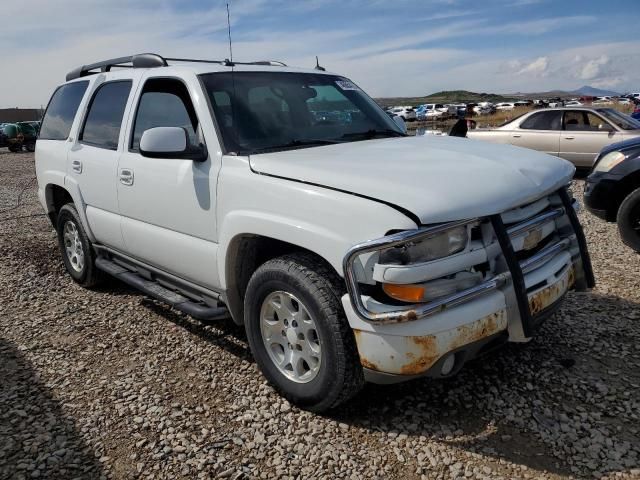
[318, 67]
[229, 61]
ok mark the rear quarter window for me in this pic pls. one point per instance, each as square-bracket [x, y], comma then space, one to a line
[61, 111]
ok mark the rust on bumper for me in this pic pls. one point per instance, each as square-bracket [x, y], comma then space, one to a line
[549, 295]
[414, 355]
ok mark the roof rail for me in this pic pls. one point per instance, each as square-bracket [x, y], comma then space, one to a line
[151, 60]
[142, 60]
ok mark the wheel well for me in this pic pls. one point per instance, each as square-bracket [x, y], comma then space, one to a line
[627, 185]
[245, 254]
[56, 197]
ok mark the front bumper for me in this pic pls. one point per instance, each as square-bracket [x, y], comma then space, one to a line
[601, 195]
[437, 338]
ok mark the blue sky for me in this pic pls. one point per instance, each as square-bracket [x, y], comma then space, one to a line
[390, 48]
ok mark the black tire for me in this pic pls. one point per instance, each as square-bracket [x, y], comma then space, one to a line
[15, 147]
[339, 375]
[31, 147]
[88, 276]
[628, 220]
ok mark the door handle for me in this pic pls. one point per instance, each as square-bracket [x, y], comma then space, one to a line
[126, 176]
[516, 135]
[569, 138]
[76, 166]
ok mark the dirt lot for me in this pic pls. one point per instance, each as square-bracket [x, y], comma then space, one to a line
[109, 384]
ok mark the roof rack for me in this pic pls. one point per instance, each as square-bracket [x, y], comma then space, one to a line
[143, 60]
[152, 60]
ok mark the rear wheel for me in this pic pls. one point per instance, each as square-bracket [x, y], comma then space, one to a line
[628, 220]
[298, 332]
[15, 147]
[77, 254]
[31, 147]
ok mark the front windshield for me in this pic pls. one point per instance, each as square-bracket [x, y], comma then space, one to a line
[270, 111]
[623, 121]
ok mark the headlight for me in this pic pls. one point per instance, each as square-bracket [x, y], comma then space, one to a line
[439, 246]
[609, 161]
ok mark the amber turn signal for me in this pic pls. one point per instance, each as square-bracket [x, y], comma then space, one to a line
[405, 293]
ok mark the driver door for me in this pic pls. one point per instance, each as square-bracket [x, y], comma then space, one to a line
[168, 204]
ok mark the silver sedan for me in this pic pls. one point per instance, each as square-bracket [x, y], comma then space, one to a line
[576, 134]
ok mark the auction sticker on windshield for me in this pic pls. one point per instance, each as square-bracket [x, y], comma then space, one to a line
[346, 85]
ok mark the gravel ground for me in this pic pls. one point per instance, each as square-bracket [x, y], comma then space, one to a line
[110, 384]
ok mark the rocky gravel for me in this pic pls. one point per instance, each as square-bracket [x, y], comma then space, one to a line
[110, 384]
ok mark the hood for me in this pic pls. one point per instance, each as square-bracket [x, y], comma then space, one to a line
[438, 179]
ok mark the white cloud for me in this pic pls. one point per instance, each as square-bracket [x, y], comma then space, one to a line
[593, 68]
[538, 67]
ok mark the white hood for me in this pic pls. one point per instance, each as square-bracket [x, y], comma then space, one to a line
[437, 178]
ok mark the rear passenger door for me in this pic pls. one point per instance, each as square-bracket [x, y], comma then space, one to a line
[584, 135]
[168, 205]
[539, 131]
[93, 158]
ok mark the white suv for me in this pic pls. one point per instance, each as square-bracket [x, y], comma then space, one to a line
[348, 251]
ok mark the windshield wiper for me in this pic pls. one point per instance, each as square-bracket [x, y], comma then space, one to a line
[297, 143]
[373, 133]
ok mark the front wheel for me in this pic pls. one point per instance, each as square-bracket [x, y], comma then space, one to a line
[628, 220]
[15, 147]
[298, 332]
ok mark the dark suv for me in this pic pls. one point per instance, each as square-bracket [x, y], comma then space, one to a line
[612, 191]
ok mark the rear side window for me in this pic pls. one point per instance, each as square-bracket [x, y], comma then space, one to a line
[543, 121]
[61, 111]
[103, 122]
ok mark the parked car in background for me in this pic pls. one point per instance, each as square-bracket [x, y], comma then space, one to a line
[625, 101]
[573, 103]
[408, 114]
[612, 191]
[505, 106]
[575, 134]
[636, 113]
[17, 136]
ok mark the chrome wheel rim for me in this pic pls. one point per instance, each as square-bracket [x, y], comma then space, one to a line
[73, 246]
[290, 337]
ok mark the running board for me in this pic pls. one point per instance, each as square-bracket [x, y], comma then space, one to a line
[197, 310]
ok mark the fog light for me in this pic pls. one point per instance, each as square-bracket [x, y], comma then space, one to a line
[448, 364]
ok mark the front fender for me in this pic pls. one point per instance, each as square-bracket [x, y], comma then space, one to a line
[321, 220]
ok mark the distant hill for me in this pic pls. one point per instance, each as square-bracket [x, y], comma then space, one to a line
[465, 96]
[594, 92]
[447, 96]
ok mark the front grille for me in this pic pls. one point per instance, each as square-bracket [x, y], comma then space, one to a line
[542, 239]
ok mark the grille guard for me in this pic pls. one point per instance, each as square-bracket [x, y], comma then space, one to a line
[514, 275]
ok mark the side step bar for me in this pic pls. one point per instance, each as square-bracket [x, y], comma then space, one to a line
[197, 310]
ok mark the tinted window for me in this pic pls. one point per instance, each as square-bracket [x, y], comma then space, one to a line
[543, 121]
[61, 111]
[164, 103]
[102, 126]
[271, 111]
